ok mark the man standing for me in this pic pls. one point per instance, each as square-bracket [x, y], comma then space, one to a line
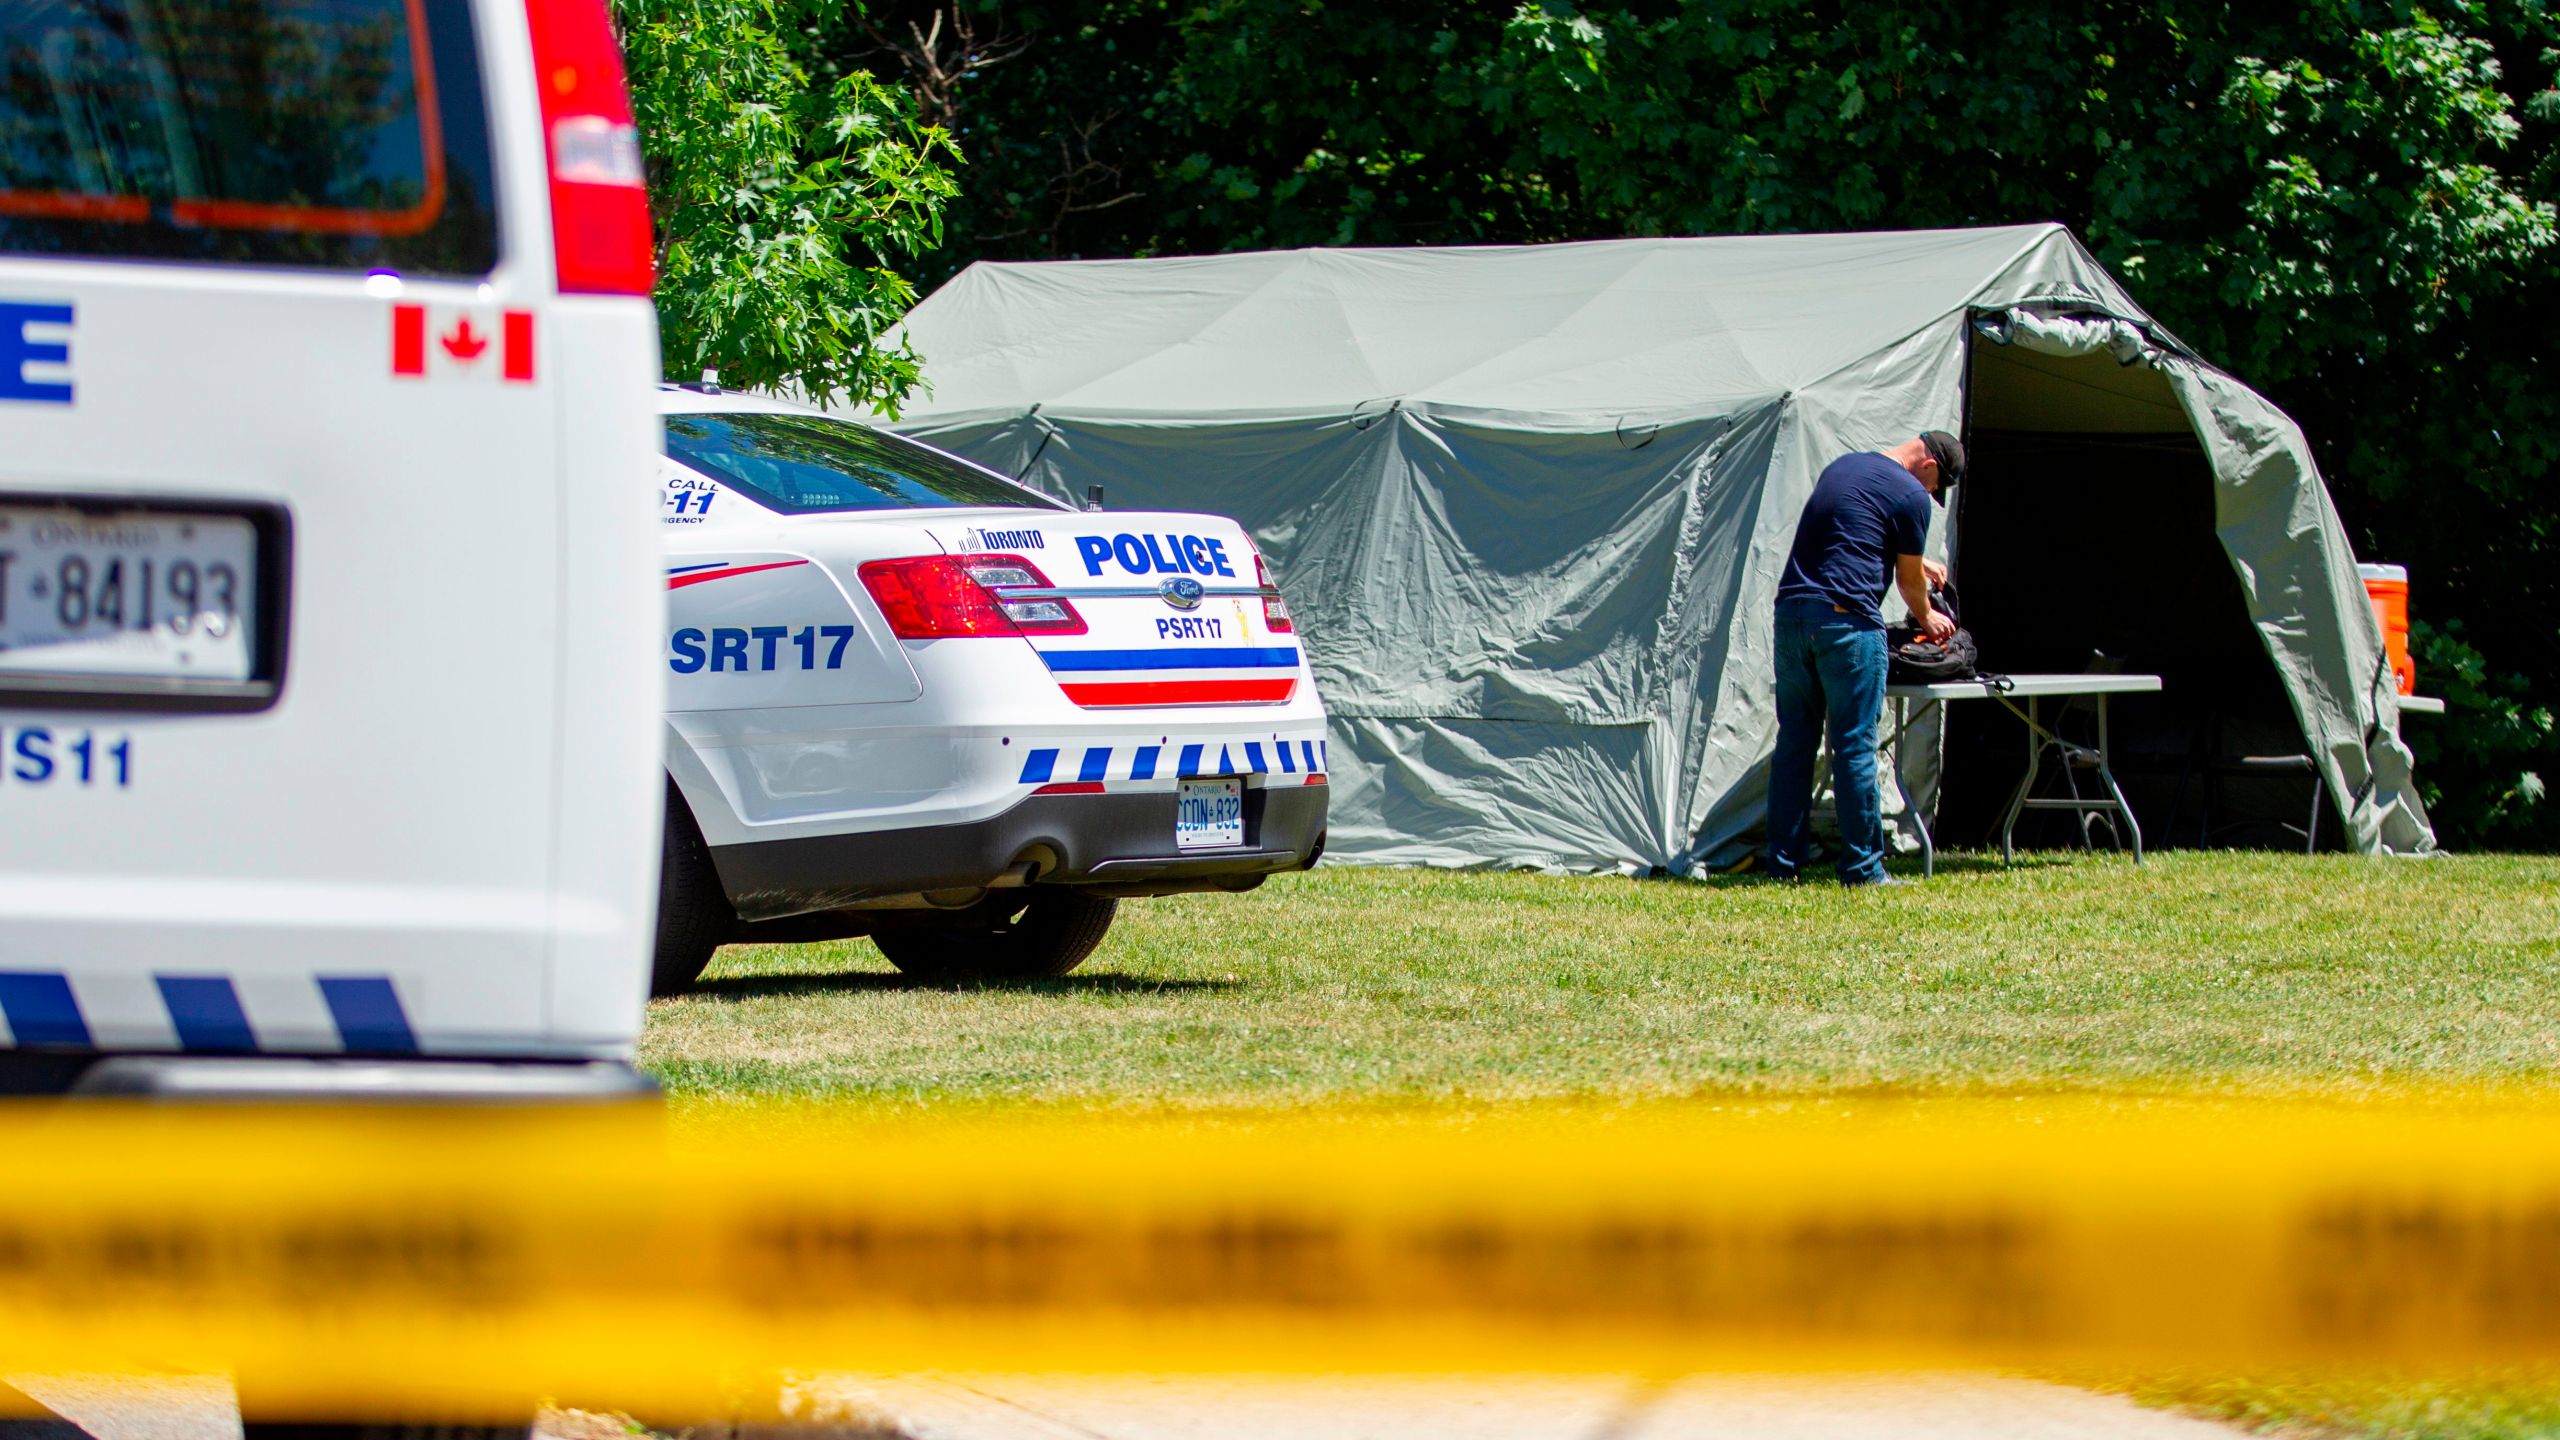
[1864, 528]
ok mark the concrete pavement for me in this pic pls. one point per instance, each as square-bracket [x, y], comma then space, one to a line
[1793, 1407]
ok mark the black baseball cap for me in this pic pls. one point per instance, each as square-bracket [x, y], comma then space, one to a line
[1948, 451]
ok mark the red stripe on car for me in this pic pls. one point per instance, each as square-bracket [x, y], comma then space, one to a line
[1182, 692]
[678, 582]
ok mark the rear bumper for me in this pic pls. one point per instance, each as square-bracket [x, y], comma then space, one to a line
[1117, 844]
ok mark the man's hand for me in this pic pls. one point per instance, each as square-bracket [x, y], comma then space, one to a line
[1912, 574]
[1936, 572]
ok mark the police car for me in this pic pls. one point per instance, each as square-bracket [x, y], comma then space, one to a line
[911, 699]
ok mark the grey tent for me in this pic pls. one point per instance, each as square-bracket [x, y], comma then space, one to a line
[1531, 505]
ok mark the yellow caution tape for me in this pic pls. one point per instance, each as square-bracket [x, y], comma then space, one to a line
[453, 1262]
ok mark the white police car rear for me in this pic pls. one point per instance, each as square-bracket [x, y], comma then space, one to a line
[911, 699]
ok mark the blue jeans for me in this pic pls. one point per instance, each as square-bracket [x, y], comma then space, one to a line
[1830, 669]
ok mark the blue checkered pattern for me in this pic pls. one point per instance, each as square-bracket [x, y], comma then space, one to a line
[205, 1011]
[1042, 765]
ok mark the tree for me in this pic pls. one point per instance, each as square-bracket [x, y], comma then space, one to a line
[1053, 102]
[783, 205]
[2348, 203]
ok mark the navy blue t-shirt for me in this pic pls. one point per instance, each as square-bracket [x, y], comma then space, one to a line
[1865, 510]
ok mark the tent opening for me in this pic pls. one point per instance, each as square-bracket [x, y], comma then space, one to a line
[2084, 539]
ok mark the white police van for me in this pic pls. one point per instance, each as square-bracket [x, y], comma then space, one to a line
[328, 607]
[910, 699]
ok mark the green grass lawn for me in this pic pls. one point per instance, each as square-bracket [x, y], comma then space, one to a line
[2227, 971]
[2505, 1404]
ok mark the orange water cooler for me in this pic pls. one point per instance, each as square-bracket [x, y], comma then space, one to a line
[2388, 587]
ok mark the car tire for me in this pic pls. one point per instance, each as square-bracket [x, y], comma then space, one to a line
[1046, 937]
[694, 916]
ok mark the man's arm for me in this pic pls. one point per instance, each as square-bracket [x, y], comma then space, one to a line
[1912, 573]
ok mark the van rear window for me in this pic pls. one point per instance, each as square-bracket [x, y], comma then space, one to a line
[801, 464]
[342, 134]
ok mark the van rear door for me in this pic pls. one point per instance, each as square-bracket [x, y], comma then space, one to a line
[324, 527]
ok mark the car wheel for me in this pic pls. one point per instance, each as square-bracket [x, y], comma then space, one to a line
[693, 911]
[1050, 934]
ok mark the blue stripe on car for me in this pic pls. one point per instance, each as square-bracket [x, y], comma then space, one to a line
[369, 1016]
[1148, 762]
[206, 1011]
[41, 1009]
[1239, 658]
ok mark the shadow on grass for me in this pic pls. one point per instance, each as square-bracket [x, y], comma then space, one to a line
[1978, 862]
[1106, 982]
[1950, 862]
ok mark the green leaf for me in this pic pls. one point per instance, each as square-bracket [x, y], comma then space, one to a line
[778, 200]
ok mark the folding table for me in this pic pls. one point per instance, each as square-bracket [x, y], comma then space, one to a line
[2032, 689]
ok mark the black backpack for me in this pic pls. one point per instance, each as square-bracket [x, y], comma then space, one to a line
[1915, 659]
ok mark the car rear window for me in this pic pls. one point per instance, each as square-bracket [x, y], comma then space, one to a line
[342, 134]
[805, 463]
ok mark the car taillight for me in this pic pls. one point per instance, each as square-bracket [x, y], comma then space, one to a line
[600, 237]
[1275, 608]
[948, 597]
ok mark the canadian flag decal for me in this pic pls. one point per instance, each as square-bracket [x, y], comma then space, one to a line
[461, 343]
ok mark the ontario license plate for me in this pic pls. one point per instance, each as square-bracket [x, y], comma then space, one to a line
[1208, 814]
[130, 594]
